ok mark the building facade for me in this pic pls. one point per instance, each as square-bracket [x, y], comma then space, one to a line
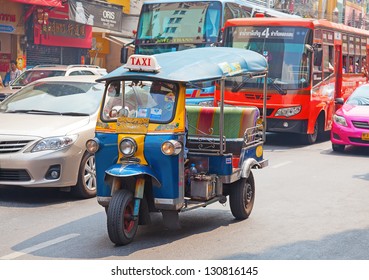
[35, 32]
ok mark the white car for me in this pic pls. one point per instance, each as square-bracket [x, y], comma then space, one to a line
[43, 131]
[46, 71]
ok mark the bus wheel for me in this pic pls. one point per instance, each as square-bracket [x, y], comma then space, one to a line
[122, 226]
[309, 139]
[241, 197]
[338, 148]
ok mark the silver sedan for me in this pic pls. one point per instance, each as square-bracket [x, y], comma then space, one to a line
[43, 131]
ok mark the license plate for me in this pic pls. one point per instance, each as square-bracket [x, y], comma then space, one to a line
[365, 136]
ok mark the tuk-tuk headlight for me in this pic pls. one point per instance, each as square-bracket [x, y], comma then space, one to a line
[92, 146]
[128, 147]
[171, 147]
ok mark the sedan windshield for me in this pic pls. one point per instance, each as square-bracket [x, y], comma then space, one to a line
[359, 97]
[33, 75]
[62, 98]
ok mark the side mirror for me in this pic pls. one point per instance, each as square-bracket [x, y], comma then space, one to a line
[124, 55]
[339, 101]
[309, 48]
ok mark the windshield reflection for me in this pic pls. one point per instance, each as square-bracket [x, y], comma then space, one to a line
[140, 99]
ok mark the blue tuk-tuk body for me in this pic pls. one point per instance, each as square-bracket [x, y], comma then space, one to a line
[155, 154]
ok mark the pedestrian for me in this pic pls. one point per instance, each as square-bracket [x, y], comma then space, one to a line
[364, 68]
[14, 72]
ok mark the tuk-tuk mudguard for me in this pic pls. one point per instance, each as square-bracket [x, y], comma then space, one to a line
[247, 165]
[251, 157]
[130, 170]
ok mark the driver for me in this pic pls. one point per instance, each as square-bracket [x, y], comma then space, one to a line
[114, 99]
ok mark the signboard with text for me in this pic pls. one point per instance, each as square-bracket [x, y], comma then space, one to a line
[63, 33]
[95, 14]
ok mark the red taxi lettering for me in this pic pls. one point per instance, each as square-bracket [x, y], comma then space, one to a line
[143, 61]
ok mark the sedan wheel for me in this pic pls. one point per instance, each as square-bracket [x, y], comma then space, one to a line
[86, 185]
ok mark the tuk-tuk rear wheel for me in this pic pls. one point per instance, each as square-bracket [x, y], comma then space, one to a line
[122, 226]
[241, 197]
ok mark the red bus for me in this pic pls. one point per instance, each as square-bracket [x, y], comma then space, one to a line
[311, 62]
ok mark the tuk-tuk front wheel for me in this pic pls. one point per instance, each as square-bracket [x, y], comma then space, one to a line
[241, 197]
[122, 226]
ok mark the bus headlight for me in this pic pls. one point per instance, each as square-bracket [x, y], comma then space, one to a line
[288, 112]
[92, 146]
[128, 147]
[171, 147]
[339, 120]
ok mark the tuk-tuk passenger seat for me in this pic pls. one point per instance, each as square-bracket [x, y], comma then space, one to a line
[204, 122]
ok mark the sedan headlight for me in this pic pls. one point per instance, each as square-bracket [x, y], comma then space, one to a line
[339, 120]
[54, 143]
[128, 147]
[288, 112]
[171, 147]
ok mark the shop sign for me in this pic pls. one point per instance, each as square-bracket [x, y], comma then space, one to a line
[64, 29]
[7, 28]
[96, 14]
[11, 18]
[63, 33]
[4, 62]
[7, 18]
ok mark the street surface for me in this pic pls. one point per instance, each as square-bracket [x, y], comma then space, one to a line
[311, 204]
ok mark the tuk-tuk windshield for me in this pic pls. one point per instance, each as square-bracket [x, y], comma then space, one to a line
[140, 99]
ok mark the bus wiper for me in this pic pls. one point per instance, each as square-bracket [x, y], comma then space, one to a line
[34, 112]
[276, 86]
[237, 87]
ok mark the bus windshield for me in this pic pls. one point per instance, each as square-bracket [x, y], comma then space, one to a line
[285, 48]
[179, 23]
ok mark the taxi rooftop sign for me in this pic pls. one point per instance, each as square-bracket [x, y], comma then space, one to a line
[142, 63]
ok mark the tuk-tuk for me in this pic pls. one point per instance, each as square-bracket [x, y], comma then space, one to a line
[155, 154]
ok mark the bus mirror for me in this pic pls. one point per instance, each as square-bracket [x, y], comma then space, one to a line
[309, 48]
[339, 101]
[318, 57]
[123, 55]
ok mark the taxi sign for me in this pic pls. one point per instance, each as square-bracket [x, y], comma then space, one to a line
[142, 63]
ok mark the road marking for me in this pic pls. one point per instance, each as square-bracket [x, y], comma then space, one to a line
[281, 164]
[39, 246]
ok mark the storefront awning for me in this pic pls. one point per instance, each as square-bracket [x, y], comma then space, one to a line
[118, 40]
[49, 3]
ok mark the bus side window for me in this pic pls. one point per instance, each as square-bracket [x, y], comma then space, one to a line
[318, 55]
[344, 64]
